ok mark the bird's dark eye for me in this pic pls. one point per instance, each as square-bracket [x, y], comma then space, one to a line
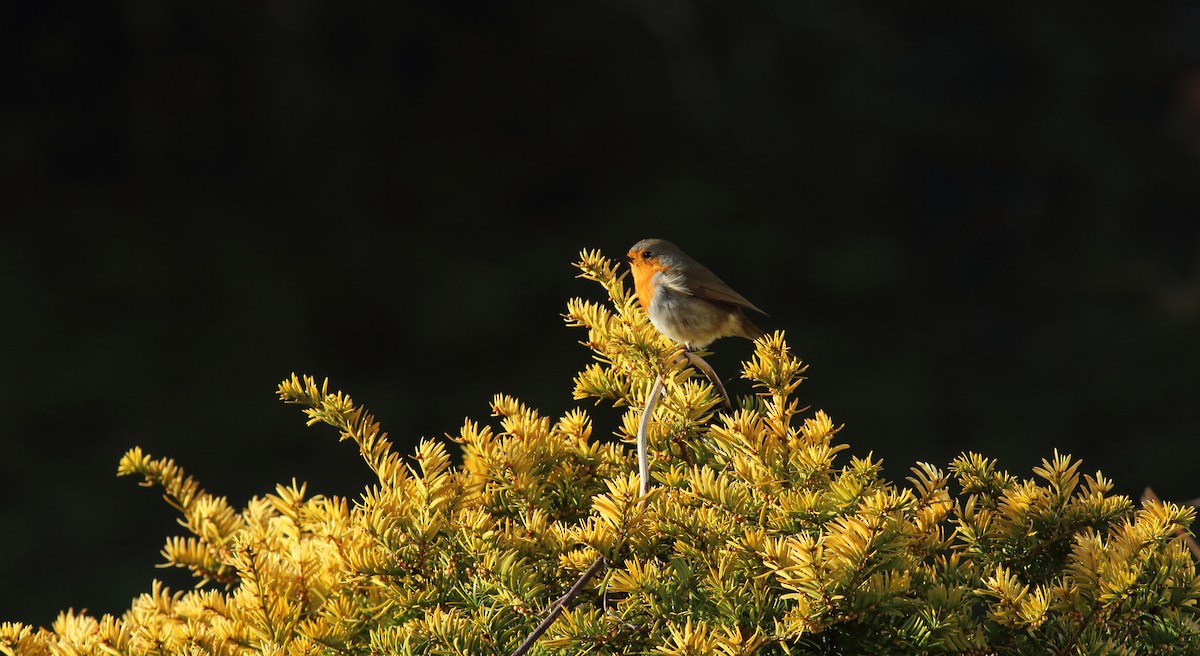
[646, 255]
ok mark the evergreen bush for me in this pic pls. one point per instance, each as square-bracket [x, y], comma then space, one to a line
[760, 536]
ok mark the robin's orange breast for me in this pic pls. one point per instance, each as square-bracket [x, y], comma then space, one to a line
[643, 281]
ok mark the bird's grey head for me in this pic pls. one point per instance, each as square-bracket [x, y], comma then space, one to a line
[655, 249]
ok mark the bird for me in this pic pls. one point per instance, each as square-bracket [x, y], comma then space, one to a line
[684, 300]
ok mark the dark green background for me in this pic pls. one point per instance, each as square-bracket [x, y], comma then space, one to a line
[980, 227]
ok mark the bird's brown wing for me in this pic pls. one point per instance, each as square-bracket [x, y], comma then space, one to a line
[715, 289]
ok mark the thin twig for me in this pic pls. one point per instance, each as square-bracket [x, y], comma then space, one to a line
[643, 429]
[557, 608]
[702, 364]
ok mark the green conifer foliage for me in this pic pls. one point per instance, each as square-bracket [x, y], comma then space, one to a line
[761, 535]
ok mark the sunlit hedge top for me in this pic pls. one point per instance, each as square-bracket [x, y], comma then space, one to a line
[761, 536]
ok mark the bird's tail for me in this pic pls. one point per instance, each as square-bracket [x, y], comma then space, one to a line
[749, 330]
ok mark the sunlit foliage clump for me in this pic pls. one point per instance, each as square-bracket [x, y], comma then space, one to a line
[761, 535]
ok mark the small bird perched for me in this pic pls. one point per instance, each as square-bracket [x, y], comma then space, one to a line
[684, 300]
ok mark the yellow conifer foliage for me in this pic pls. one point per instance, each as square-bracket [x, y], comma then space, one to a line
[763, 535]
